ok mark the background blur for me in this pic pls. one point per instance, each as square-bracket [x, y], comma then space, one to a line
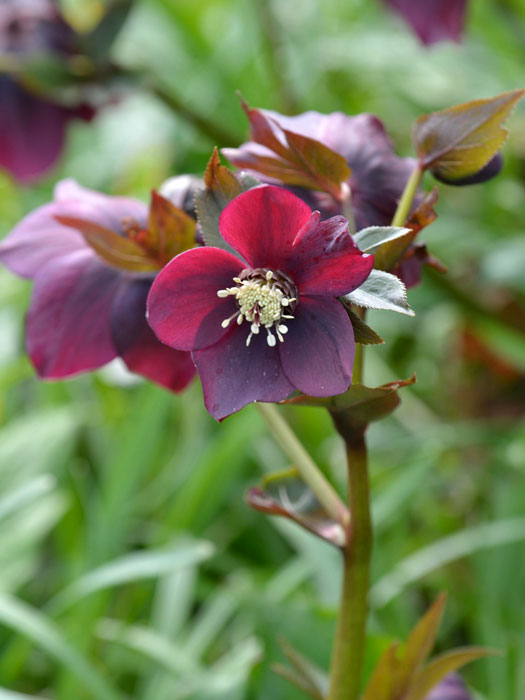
[112, 491]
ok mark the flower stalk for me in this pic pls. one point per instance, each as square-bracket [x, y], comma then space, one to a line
[348, 653]
[405, 203]
[310, 472]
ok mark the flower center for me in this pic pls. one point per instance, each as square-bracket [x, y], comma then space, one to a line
[265, 298]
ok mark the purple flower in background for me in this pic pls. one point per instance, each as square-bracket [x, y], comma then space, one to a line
[378, 175]
[433, 20]
[267, 322]
[92, 258]
[32, 126]
[452, 688]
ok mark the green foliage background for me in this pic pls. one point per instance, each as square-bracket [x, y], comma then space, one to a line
[112, 491]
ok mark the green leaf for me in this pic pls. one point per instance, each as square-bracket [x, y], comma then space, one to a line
[363, 334]
[370, 239]
[221, 188]
[34, 624]
[134, 567]
[380, 686]
[114, 249]
[295, 678]
[418, 646]
[458, 142]
[381, 290]
[170, 230]
[441, 666]
[299, 160]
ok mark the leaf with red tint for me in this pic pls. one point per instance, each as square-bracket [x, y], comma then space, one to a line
[300, 160]
[458, 142]
[116, 250]
[170, 230]
[303, 673]
[418, 646]
[387, 255]
[360, 404]
[381, 683]
[286, 495]
[441, 666]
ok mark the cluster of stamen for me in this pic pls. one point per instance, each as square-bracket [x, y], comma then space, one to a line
[264, 297]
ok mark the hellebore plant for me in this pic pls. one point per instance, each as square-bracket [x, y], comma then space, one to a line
[271, 309]
[433, 20]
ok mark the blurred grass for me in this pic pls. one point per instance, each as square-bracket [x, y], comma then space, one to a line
[106, 483]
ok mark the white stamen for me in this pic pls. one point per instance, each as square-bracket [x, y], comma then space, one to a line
[254, 328]
[270, 339]
[282, 328]
[223, 293]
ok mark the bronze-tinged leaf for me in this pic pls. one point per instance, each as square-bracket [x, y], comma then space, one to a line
[221, 180]
[317, 679]
[391, 252]
[363, 334]
[418, 646]
[381, 684]
[285, 494]
[170, 230]
[360, 403]
[114, 249]
[299, 160]
[441, 666]
[221, 188]
[458, 142]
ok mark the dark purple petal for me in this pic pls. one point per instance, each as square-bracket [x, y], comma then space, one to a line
[32, 131]
[378, 175]
[433, 20]
[233, 375]
[489, 171]
[318, 351]
[452, 688]
[183, 307]
[40, 238]
[325, 260]
[136, 343]
[261, 225]
[68, 323]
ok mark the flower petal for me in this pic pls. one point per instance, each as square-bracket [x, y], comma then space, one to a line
[183, 307]
[68, 323]
[318, 351]
[261, 224]
[136, 343]
[452, 688]
[233, 375]
[325, 259]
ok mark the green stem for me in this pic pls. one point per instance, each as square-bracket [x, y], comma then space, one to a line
[310, 472]
[348, 653]
[405, 203]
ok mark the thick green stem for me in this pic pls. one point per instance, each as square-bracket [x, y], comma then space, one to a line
[310, 472]
[405, 203]
[348, 653]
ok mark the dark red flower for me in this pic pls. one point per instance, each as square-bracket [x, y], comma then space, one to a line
[433, 20]
[85, 312]
[378, 176]
[284, 284]
[452, 688]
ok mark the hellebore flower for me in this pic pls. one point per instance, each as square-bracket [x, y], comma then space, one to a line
[92, 258]
[378, 176]
[452, 688]
[267, 322]
[433, 20]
